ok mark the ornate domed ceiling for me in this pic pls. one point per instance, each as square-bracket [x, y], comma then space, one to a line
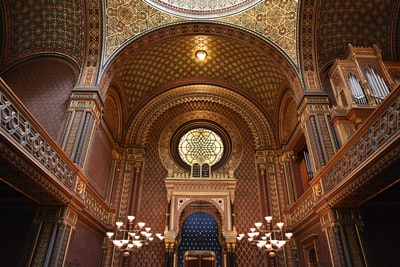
[143, 49]
[236, 60]
[202, 9]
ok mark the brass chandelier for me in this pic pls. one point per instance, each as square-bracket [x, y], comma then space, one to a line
[129, 237]
[269, 237]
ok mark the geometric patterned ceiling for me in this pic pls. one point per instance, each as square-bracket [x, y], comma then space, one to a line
[35, 27]
[360, 23]
[172, 60]
[275, 20]
[309, 32]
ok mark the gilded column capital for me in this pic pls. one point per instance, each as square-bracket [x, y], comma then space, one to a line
[88, 101]
[312, 105]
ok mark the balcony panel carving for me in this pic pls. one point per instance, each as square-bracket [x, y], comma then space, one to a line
[371, 138]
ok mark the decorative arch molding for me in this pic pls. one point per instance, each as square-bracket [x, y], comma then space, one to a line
[263, 45]
[260, 127]
[53, 80]
[61, 58]
[182, 216]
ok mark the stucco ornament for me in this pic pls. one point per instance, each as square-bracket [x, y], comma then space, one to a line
[202, 9]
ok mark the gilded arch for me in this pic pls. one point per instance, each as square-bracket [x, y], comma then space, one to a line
[261, 128]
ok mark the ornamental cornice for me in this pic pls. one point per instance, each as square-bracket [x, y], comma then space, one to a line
[200, 186]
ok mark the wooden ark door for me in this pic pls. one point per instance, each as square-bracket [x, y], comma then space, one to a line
[199, 258]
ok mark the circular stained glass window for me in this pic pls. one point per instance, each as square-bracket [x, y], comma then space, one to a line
[202, 146]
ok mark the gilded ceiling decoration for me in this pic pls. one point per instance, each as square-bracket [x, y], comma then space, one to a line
[275, 20]
[255, 72]
[202, 9]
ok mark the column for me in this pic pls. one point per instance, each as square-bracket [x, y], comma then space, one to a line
[230, 254]
[84, 114]
[342, 229]
[318, 130]
[169, 252]
[53, 227]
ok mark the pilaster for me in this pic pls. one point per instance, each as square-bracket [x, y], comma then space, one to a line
[318, 130]
[53, 227]
[125, 194]
[84, 114]
[269, 183]
[342, 229]
[286, 160]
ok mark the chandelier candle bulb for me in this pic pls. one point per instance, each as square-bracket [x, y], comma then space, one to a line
[130, 237]
[269, 236]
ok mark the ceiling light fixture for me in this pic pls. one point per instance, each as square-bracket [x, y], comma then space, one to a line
[128, 237]
[201, 54]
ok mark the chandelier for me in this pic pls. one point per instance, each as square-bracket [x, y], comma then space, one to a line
[269, 237]
[128, 237]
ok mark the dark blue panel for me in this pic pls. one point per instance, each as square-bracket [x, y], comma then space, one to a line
[200, 232]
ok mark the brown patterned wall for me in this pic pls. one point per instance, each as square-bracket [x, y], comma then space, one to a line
[100, 160]
[322, 246]
[85, 248]
[44, 86]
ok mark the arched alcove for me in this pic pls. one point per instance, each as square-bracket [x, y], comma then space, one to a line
[200, 230]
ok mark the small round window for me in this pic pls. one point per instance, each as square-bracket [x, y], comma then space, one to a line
[201, 145]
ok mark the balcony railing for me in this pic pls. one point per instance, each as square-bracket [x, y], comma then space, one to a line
[370, 141]
[23, 132]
